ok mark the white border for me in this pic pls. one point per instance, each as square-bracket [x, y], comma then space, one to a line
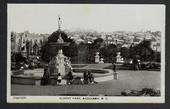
[71, 99]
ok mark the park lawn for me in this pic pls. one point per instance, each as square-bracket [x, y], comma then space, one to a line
[127, 80]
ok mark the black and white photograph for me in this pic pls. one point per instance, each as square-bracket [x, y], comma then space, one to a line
[85, 53]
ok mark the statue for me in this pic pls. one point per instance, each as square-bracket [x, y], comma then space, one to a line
[59, 22]
[57, 64]
[60, 40]
[119, 59]
[60, 60]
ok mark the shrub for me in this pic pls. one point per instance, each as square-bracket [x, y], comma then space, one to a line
[143, 92]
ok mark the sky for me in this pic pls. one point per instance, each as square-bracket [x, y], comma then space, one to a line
[43, 18]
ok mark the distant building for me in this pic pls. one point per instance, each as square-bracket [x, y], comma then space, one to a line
[137, 40]
[36, 49]
[88, 39]
[78, 41]
[23, 42]
[13, 42]
[131, 37]
[155, 45]
[109, 40]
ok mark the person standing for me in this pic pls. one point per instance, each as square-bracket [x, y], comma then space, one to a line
[135, 63]
[114, 66]
[115, 74]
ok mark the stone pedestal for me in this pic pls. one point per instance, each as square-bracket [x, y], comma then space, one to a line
[115, 74]
[101, 61]
[97, 57]
[59, 64]
[118, 58]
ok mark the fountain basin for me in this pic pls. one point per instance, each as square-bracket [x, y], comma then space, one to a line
[34, 78]
[25, 80]
[100, 75]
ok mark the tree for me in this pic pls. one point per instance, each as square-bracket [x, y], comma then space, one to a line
[18, 57]
[124, 52]
[93, 48]
[108, 52]
[143, 49]
[98, 43]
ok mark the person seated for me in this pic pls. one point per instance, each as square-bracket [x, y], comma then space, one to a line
[69, 77]
[85, 77]
[77, 81]
[59, 78]
[46, 77]
[90, 77]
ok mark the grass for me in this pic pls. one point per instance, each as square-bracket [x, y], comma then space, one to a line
[127, 80]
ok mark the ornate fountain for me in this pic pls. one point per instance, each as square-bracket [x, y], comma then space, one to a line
[59, 63]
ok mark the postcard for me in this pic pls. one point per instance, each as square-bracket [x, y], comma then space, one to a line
[86, 53]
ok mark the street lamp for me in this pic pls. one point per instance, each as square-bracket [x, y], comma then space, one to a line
[155, 53]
